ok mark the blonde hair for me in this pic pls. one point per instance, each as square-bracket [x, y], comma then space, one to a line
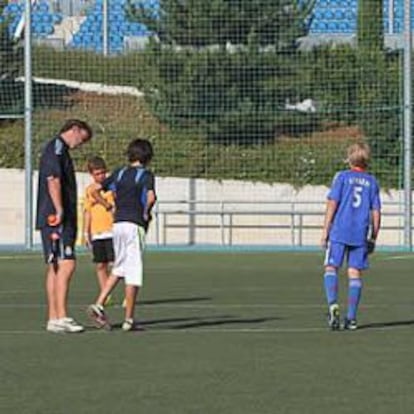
[358, 155]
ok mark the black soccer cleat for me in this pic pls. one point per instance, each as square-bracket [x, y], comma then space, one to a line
[350, 324]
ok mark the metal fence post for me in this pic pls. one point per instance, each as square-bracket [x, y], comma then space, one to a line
[28, 107]
[407, 126]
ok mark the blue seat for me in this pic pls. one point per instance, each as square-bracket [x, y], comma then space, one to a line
[317, 14]
[398, 26]
[76, 41]
[339, 14]
[43, 20]
[399, 13]
[333, 27]
[118, 26]
[350, 14]
[345, 27]
[328, 14]
[322, 27]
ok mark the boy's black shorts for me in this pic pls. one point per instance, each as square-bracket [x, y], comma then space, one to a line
[65, 247]
[103, 251]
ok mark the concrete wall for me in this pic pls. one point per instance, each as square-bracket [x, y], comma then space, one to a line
[261, 213]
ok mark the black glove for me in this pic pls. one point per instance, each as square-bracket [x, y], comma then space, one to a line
[370, 246]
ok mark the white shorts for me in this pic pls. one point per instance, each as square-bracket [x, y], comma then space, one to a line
[129, 242]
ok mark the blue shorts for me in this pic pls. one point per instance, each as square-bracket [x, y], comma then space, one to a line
[356, 256]
[65, 246]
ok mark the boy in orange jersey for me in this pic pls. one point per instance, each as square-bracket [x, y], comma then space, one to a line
[98, 221]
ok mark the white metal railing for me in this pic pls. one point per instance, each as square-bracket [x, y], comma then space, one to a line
[292, 214]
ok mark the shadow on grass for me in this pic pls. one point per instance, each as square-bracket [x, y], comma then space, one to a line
[222, 320]
[149, 323]
[195, 322]
[174, 300]
[393, 324]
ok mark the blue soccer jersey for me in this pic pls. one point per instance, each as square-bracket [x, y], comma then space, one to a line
[357, 194]
[130, 185]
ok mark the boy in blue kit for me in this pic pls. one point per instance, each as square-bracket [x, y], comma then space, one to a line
[353, 206]
[134, 190]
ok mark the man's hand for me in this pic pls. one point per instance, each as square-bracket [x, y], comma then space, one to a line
[54, 220]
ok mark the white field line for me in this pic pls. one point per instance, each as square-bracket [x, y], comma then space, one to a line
[404, 257]
[198, 331]
[209, 306]
[152, 331]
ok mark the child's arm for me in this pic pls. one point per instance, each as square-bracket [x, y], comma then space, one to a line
[87, 205]
[98, 197]
[151, 199]
[375, 218]
[376, 225]
[331, 206]
[87, 227]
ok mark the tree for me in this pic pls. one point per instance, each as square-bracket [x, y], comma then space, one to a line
[378, 92]
[370, 25]
[225, 66]
[217, 22]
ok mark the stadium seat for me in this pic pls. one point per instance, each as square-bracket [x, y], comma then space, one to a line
[340, 16]
[118, 27]
[329, 16]
[43, 20]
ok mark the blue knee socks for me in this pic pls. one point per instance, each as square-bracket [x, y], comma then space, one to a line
[354, 296]
[331, 287]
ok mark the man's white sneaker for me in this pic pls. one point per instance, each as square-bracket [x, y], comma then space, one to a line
[54, 326]
[69, 325]
[64, 325]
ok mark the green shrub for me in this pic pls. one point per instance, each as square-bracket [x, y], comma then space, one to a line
[230, 122]
[234, 97]
[85, 66]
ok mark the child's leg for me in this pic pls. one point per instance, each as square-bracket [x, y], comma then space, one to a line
[357, 262]
[131, 293]
[102, 274]
[354, 293]
[334, 258]
[333, 261]
[330, 281]
[96, 311]
[110, 284]
[133, 267]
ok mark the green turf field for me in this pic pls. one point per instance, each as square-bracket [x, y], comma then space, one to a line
[238, 333]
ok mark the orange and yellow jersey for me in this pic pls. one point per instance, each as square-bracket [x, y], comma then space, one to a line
[101, 219]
